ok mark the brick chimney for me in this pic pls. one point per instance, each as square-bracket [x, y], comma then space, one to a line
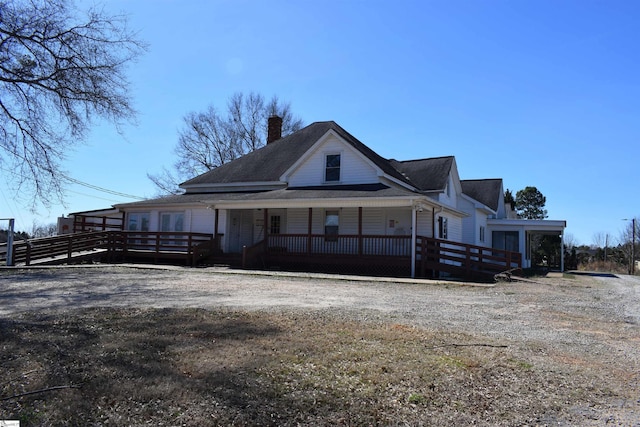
[274, 129]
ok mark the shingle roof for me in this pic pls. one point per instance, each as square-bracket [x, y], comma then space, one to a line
[268, 163]
[486, 191]
[426, 174]
[292, 193]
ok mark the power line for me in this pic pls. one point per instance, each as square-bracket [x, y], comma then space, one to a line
[93, 196]
[104, 190]
[86, 184]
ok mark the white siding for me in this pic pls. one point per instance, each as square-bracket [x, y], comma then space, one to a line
[349, 221]
[469, 224]
[297, 221]
[425, 223]
[202, 220]
[353, 168]
[455, 229]
[373, 221]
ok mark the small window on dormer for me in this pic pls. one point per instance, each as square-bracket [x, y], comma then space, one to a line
[332, 168]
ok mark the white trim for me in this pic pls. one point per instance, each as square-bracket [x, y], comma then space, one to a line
[326, 154]
[414, 238]
[529, 224]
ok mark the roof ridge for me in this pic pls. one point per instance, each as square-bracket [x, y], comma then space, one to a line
[423, 159]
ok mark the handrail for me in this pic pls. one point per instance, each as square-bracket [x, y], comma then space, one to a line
[464, 259]
[86, 223]
[180, 243]
[347, 244]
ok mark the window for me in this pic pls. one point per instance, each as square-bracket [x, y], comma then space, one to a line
[443, 227]
[482, 233]
[172, 221]
[274, 227]
[332, 168]
[331, 223]
[138, 222]
[506, 240]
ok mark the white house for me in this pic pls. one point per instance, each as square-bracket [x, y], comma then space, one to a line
[321, 196]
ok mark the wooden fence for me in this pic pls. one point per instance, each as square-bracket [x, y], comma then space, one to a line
[111, 246]
[463, 260]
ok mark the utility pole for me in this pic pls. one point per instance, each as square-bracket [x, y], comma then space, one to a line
[633, 246]
[632, 270]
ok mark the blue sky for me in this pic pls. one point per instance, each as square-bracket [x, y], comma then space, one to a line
[539, 93]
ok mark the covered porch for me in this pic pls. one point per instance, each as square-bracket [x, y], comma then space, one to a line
[528, 236]
[356, 230]
[372, 226]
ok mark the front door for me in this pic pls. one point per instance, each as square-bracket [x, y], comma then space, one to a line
[240, 230]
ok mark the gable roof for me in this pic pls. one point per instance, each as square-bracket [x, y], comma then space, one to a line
[486, 191]
[426, 174]
[268, 163]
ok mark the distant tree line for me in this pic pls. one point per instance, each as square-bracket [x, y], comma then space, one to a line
[606, 253]
[37, 231]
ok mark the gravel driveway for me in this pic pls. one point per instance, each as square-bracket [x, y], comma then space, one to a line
[587, 319]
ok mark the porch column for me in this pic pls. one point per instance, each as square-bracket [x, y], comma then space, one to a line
[266, 229]
[414, 240]
[309, 229]
[562, 252]
[360, 249]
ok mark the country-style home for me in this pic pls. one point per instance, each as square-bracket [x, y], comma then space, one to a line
[321, 199]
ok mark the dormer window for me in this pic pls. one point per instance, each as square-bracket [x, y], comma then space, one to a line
[332, 168]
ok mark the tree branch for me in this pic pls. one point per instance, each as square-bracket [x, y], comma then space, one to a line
[44, 390]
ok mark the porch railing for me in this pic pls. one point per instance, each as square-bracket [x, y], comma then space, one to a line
[320, 244]
[59, 247]
[463, 260]
[179, 245]
[88, 223]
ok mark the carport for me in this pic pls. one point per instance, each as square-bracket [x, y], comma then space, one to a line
[522, 235]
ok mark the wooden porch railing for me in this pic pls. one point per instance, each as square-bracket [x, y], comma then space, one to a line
[251, 254]
[432, 255]
[59, 247]
[463, 260]
[121, 244]
[320, 244]
[88, 223]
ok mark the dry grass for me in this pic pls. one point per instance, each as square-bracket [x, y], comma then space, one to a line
[199, 367]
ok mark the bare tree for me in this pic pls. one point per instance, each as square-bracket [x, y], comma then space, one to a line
[601, 240]
[59, 70]
[570, 241]
[210, 139]
[43, 230]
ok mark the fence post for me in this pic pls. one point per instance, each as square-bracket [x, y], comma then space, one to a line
[69, 248]
[190, 254]
[244, 257]
[27, 261]
[10, 252]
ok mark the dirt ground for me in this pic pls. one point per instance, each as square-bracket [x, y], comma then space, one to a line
[588, 324]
